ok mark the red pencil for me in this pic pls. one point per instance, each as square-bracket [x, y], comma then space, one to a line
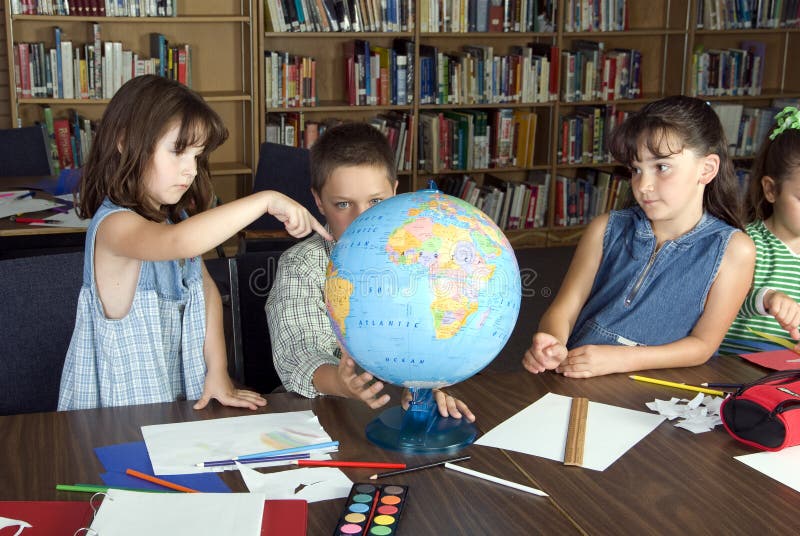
[160, 482]
[337, 463]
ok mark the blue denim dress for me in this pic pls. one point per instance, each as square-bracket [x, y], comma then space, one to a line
[641, 296]
[154, 353]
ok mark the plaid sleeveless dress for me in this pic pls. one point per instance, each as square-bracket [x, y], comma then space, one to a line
[154, 353]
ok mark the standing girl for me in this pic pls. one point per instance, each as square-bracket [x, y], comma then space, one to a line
[149, 321]
[656, 285]
[774, 212]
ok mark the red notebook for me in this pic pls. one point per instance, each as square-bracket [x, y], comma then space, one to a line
[47, 518]
[284, 517]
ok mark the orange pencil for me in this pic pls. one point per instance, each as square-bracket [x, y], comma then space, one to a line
[337, 463]
[160, 482]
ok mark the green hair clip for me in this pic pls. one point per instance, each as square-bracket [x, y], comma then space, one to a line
[789, 117]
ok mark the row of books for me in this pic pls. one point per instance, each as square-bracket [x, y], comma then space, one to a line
[476, 139]
[590, 72]
[96, 8]
[590, 193]
[376, 75]
[747, 127]
[340, 15]
[595, 15]
[733, 72]
[290, 80]
[476, 75]
[292, 128]
[511, 205]
[70, 138]
[95, 70]
[458, 16]
[741, 14]
[583, 135]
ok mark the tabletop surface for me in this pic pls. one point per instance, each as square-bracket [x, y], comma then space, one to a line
[671, 482]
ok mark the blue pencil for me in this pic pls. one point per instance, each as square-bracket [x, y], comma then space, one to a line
[285, 457]
[302, 448]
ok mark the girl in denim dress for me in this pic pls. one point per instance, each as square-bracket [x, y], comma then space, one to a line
[149, 321]
[658, 284]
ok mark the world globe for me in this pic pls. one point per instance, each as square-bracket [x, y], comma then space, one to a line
[423, 290]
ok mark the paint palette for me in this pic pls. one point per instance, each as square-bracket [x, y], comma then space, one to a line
[372, 510]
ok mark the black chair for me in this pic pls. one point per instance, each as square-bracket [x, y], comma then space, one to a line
[251, 278]
[24, 152]
[287, 170]
[38, 301]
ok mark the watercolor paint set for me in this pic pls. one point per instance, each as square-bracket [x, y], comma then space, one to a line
[372, 510]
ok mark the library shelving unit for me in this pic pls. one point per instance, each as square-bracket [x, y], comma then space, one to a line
[659, 29]
[222, 36]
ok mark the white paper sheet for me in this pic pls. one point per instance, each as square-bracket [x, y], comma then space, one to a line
[541, 430]
[310, 483]
[11, 207]
[783, 466]
[131, 513]
[65, 219]
[175, 448]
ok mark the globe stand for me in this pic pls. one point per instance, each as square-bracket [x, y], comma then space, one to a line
[420, 428]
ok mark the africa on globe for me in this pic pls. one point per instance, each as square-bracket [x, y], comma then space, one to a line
[423, 290]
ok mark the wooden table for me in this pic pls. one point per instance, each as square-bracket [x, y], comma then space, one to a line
[45, 449]
[671, 482]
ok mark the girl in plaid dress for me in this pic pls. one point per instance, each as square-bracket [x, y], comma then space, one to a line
[149, 321]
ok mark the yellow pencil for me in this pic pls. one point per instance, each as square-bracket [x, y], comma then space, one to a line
[678, 385]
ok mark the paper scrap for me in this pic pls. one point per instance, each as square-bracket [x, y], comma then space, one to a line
[175, 448]
[21, 525]
[698, 415]
[310, 483]
[783, 465]
[541, 430]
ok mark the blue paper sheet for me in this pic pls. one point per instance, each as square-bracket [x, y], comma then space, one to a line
[117, 458]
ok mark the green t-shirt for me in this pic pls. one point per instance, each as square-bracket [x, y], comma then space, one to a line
[778, 268]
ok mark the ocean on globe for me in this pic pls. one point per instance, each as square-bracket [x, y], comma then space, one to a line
[423, 290]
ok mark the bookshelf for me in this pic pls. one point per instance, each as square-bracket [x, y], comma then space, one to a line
[229, 39]
[664, 32]
[221, 34]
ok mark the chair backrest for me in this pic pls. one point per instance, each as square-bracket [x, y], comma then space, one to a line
[287, 170]
[24, 152]
[38, 300]
[252, 275]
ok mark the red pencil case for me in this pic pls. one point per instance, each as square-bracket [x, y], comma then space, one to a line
[765, 413]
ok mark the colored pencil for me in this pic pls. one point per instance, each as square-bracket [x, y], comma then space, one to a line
[160, 482]
[722, 385]
[418, 467]
[495, 479]
[677, 385]
[302, 448]
[93, 488]
[17, 219]
[337, 463]
[286, 457]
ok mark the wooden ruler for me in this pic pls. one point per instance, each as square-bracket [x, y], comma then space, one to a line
[576, 431]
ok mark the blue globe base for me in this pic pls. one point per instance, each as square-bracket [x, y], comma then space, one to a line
[420, 429]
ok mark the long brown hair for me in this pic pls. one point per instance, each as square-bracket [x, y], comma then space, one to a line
[139, 115]
[695, 125]
[777, 158]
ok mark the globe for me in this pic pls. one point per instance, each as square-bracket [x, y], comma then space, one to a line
[423, 290]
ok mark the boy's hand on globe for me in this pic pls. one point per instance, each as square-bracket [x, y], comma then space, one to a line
[546, 353]
[360, 386]
[449, 406]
